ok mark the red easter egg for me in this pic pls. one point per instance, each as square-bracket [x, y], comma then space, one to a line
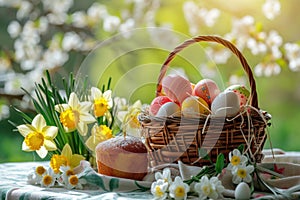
[176, 88]
[157, 102]
[206, 89]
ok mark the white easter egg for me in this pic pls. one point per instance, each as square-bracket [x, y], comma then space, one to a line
[242, 191]
[226, 104]
[168, 109]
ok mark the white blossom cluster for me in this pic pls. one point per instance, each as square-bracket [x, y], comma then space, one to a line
[45, 32]
[247, 34]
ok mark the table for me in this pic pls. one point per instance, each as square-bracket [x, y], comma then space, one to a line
[13, 183]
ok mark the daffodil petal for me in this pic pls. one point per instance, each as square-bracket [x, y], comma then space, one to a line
[87, 118]
[25, 129]
[39, 122]
[61, 107]
[50, 145]
[42, 152]
[82, 128]
[85, 106]
[50, 132]
[73, 100]
[25, 147]
[96, 93]
[67, 151]
[91, 143]
[75, 160]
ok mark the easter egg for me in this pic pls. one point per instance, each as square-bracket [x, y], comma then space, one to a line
[206, 89]
[157, 102]
[242, 191]
[226, 104]
[193, 106]
[176, 87]
[168, 109]
[242, 93]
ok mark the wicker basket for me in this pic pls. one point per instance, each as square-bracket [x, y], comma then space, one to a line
[180, 138]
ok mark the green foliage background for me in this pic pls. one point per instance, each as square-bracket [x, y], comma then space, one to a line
[279, 95]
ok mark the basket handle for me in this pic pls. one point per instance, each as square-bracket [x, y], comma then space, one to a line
[226, 43]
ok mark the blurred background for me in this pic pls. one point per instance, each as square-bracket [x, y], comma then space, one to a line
[128, 40]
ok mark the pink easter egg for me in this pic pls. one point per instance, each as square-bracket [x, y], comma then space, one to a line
[206, 89]
[157, 102]
[176, 88]
[241, 91]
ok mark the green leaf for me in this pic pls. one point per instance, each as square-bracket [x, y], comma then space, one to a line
[220, 163]
[241, 148]
[113, 184]
[203, 154]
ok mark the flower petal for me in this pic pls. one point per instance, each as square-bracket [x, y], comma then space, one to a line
[67, 151]
[75, 160]
[73, 100]
[61, 107]
[85, 107]
[50, 145]
[82, 128]
[25, 129]
[42, 152]
[87, 118]
[96, 93]
[91, 143]
[39, 122]
[50, 132]
[25, 147]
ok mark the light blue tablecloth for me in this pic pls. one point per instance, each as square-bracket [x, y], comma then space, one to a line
[13, 183]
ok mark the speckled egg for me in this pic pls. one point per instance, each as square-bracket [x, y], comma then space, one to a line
[157, 102]
[168, 109]
[176, 87]
[226, 104]
[206, 89]
[242, 93]
[193, 106]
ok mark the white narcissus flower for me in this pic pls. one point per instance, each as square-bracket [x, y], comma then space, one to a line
[75, 115]
[102, 102]
[178, 189]
[38, 136]
[99, 134]
[159, 189]
[211, 188]
[36, 175]
[165, 175]
[242, 173]
[129, 119]
[236, 159]
[49, 178]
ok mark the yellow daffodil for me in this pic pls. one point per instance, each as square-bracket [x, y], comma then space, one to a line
[102, 102]
[38, 136]
[75, 115]
[129, 119]
[99, 134]
[67, 158]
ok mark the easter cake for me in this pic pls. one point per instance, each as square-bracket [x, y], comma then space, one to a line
[122, 156]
